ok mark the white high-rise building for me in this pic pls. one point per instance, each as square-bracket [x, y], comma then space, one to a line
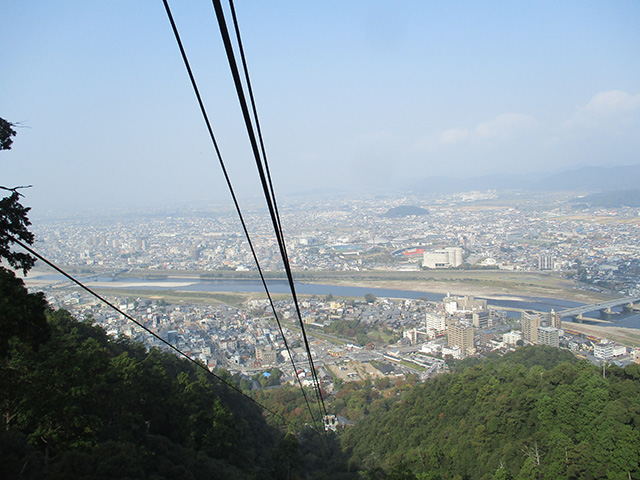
[545, 262]
[435, 325]
[466, 304]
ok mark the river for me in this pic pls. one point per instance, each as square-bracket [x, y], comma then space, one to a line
[281, 286]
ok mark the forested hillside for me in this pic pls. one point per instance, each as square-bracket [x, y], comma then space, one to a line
[507, 417]
[87, 406]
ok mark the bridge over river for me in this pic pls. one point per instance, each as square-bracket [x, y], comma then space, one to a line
[627, 304]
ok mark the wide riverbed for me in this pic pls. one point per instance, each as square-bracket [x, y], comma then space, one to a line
[281, 286]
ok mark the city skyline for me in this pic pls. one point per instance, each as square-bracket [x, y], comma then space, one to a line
[357, 96]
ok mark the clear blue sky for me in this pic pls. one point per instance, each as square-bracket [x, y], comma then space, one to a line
[351, 94]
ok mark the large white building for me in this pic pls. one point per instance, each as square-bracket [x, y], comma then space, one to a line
[466, 304]
[455, 352]
[444, 258]
[435, 325]
[608, 350]
[512, 337]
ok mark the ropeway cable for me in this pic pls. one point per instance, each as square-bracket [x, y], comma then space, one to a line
[231, 190]
[268, 197]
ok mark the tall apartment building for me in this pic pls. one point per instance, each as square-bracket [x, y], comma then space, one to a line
[267, 355]
[461, 335]
[549, 336]
[530, 324]
[554, 320]
[545, 262]
[481, 320]
[434, 325]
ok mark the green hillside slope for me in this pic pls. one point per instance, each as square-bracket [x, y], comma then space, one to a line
[507, 418]
[87, 406]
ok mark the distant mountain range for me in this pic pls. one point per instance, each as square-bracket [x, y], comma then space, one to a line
[587, 179]
[617, 198]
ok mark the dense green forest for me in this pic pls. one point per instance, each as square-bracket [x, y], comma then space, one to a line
[87, 406]
[536, 413]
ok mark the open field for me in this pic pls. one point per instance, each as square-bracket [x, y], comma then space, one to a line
[233, 299]
[495, 284]
[605, 220]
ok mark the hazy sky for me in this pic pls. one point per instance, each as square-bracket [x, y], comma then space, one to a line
[351, 94]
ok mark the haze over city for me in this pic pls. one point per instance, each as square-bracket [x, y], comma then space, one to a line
[352, 96]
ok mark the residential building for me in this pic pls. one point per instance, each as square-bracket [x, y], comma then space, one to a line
[460, 335]
[467, 304]
[435, 325]
[545, 262]
[512, 337]
[549, 336]
[455, 352]
[554, 320]
[608, 349]
[267, 355]
[481, 320]
[530, 324]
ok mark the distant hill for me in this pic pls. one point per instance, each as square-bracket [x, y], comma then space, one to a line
[405, 211]
[592, 178]
[444, 185]
[595, 179]
[615, 199]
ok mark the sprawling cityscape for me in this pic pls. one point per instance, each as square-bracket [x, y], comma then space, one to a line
[464, 256]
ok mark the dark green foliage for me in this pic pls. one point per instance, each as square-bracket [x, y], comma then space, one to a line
[13, 216]
[271, 380]
[22, 314]
[6, 132]
[531, 414]
[528, 357]
[87, 406]
[361, 332]
[13, 224]
[287, 456]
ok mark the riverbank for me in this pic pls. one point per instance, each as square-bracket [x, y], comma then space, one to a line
[622, 335]
[491, 284]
